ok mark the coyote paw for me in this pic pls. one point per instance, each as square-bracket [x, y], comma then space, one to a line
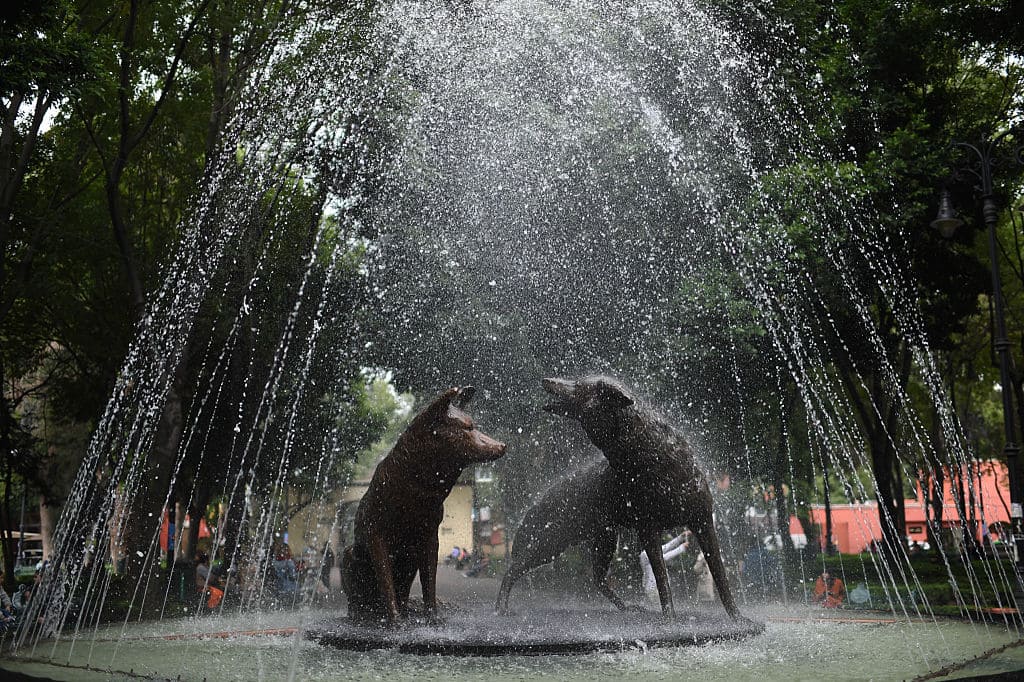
[434, 617]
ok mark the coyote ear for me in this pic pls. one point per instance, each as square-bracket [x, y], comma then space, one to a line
[443, 401]
[465, 395]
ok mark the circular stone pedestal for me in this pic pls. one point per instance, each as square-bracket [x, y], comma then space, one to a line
[558, 631]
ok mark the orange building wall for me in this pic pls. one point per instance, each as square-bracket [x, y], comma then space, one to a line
[854, 526]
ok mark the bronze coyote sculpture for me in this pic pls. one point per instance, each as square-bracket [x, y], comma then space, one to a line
[649, 482]
[398, 517]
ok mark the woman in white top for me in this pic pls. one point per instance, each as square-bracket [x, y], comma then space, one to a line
[670, 550]
[705, 584]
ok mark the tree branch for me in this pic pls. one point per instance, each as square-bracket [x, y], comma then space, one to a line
[125, 78]
[169, 77]
[7, 135]
[858, 402]
[1015, 258]
[95, 142]
[43, 228]
[13, 184]
[16, 399]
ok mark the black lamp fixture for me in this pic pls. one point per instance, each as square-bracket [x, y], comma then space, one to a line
[947, 221]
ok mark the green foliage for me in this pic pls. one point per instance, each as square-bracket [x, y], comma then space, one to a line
[356, 419]
[903, 81]
[43, 48]
[934, 582]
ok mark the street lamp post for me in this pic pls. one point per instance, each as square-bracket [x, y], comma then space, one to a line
[947, 222]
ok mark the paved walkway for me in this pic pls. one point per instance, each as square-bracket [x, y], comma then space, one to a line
[479, 593]
[453, 587]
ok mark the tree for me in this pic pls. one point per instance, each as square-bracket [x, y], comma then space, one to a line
[45, 54]
[125, 147]
[902, 80]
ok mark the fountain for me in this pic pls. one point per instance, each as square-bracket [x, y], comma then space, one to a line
[488, 193]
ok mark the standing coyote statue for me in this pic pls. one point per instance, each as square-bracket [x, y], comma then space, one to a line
[650, 482]
[398, 517]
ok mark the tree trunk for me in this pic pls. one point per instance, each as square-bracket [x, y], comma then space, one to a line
[959, 500]
[830, 547]
[231, 528]
[982, 524]
[7, 456]
[1018, 391]
[149, 503]
[938, 500]
[118, 519]
[220, 64]
[6, 539]
[197, 512]
[179, 527]
[781, 504]
[13, 168]
[124, 245]
[803, 513]
[975, 500]
[889, 509]
[900, 500]
[49, 511]
[936, 492]
[969, 523]
[879, 422]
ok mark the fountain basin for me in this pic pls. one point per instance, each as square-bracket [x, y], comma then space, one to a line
[798, 643]
[537, 632]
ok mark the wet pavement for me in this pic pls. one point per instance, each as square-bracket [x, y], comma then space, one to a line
[798, 643]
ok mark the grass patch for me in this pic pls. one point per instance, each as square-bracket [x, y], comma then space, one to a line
[971, 587]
